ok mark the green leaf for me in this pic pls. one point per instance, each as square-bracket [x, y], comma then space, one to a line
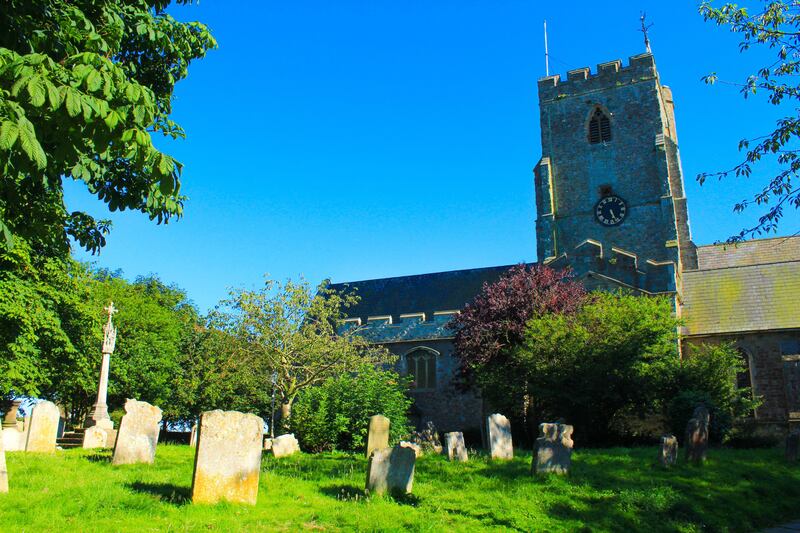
[94, 81]
[30, 144]
[53, 95]
[73, 100]
[112, 119]
[36, 91]
[165, 165]
[9, 132]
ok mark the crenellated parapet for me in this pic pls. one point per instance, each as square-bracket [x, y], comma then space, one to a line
[611, 74]
[600, 267]
[402, 327]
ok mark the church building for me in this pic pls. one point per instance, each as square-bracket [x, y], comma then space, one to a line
[610, 205]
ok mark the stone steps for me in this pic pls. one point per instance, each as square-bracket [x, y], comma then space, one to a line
[71, 439]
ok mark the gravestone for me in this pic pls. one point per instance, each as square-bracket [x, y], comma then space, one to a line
[413, 445]
[285, 445]
[391, 470]
[43, 428]
[668, 453]
[228, 458]
[454, 444]
[193, 437]
[138, 434]
[793, 446]
[697, 435]
[499, 431]
[10, 418]
[553, 449]
[95, 437]
[13, 439]
[3, 469]
[378, 437]
[267, 444]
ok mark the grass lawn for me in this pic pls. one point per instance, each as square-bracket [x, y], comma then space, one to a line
[608, 490]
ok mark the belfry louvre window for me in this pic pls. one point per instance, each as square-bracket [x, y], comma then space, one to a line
[599, 127]
[421, 367]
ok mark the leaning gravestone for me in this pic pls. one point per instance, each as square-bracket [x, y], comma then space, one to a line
[3, 469]
[499, 431]
[138, 434]
[413, 445]
[668, 453]
[793, 446]
[43, 428]
[228, 458]
[697, 435]
[553, 449]
[454, 444]
[285, 445]
[391, 470]
[378, 437]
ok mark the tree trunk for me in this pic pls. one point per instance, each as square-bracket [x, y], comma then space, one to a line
[286, 415]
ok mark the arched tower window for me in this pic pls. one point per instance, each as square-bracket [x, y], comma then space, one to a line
[743, 378]
[599, 127]
[421, 367]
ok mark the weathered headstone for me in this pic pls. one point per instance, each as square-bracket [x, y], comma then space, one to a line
[413, 445]
[228, 458]
[668, 453]
[553, 449]
[285, 445]
[43, 428]
[391, 470]
[454, 444]
[378, 437]
[13, 435]
[138, 434]
[267, 444]
[428, 439]
[499, 431]
[193, 437]
[3, 469]
[95, 437]
[793, 446]
[697, 435]
[10, 418]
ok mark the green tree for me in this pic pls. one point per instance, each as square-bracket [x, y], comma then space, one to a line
[296, 332]
[47, 327]
[616, 355]
[775, 24]
[334, 415]
[83, 85]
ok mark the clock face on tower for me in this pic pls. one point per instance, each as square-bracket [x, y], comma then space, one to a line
[610, 210]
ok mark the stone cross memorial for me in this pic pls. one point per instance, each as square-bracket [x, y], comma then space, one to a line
[378, 437]
[391, 470]
[3, 469]
[454, 444]
[668, 454]
[498, 429]
[697, 435]
[553, 449]
[43, 429]
[228, 458]
[138, 434]
[285, 445]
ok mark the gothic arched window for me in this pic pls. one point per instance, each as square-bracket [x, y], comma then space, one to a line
[599, 127]
[421, 367]
[743, 377]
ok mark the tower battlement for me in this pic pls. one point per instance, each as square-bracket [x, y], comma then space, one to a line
[640, 67]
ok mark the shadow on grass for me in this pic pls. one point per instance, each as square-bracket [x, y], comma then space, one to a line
[166, 492]
[99, 457]
[352, 493]
[487, 518]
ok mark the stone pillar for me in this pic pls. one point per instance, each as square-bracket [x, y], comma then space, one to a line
[99, 413]
[10, 419]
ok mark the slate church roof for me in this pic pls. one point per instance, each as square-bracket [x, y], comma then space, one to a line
[754, 286]
[415, 307]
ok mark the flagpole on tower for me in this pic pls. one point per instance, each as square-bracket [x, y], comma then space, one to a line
[546, 54]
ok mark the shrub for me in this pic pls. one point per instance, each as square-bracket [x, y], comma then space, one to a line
[707, 376]
[335, 414]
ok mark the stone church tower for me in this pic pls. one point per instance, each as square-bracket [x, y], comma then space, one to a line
[609, 189]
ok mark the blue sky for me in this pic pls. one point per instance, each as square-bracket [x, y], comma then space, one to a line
[355, 140]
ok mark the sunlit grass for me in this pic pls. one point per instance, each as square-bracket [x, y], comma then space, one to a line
[608, 490]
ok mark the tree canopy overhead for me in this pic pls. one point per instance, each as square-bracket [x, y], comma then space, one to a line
[83, 85]
[775, 24]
